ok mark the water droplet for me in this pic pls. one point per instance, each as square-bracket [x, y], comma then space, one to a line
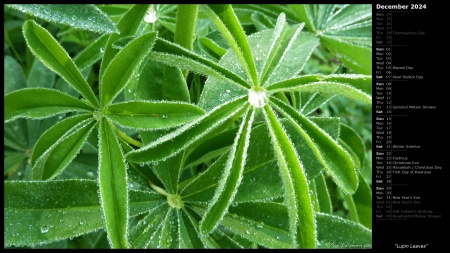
[129, 90]
[164, 116]
[247, 232]
[44, 229]
[257, 97]
[228, 91]
[74, 17]
[81, 222]
[150, 16]
[278, 237]
[90, 174]
[102, 50]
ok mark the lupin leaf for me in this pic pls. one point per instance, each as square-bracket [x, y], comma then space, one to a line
[302, 226]
[113, 186]
[38, 103]
[84, 16]
[53, 55]
[231, 176]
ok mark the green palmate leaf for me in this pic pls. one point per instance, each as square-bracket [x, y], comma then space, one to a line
[123, 66]
[13, 76]
[294, 58]
[91, 53]
[114, 9]
[122, 42]
[270, 10]
[54, 160]
[50, 52]
[168, 172]
[210, 148]
[282, 40]
[169, 232]
[309, 154]
[336, 232]
[12, 162]
[363, 203]
[84, 166]
[38, 103]
[261, 21]
[189, 236]
[161, 82]
[315, 101]
[217, 91]
[65, 87]
[175, 55]
[313, 195]
[230, 178]
[353, 144]
[147, 115]
[54, 134]
[171, 144]
[302, 225]
[358, 87]
[259, 182]
[323, 197]
[37, 127]
[142, 201]
[227, 23]
[352, 213]
[127, 25]
[359, 33]
[338, 161]
[349, 14]
[113, 186]
[346, 32]
[39, 212]
[211, 47]
[292, 82]
[244, 16]
[264, 223]
[305, 14]
[357, 57]
[218, 239]
[84, 16]
[17, 132]
[10, 140]
[331, 125]
[323, 14]
[40, 76]
[145, 230]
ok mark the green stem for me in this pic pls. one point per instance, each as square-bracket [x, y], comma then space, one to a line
[185, 27]
[157, 188]
[126, 138]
